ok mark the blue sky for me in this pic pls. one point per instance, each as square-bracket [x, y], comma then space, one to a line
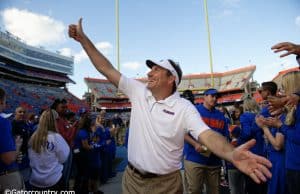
[242, 33]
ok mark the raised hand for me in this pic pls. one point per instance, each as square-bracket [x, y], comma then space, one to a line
[292, 100]
[276, 102]
[286, 46]
[260, 121]
[76, 31]
[251, 164]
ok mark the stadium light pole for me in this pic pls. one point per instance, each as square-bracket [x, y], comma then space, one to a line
[117, 35]
[209, 44]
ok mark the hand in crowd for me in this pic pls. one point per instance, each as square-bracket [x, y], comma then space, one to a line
[276, 111]
[291, 48]
[19, 157]
[292, 100]
[268, 122]
[108, 141]
[277, 104]
[273, 122]
[260, 121]
[113, 130]
[18, 142]
[198, 148]
[251, 164]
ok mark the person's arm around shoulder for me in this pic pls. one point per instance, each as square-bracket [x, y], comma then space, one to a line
[97, 58]
[251, 164]
[62, 148]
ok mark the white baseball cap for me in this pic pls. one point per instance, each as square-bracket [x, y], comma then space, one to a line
[169, 65]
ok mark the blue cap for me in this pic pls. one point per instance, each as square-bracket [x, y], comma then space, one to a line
[210, 91]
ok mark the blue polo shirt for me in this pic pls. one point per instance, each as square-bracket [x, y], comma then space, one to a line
[7, 143]
[217, 122]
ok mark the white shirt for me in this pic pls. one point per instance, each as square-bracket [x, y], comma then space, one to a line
[157, 128]
[47, 166]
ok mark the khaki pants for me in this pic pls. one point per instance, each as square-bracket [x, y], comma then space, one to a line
[197, 174]
[133, 183]
[11, 181]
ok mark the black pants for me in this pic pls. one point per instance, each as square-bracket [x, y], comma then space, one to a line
[293, 181]
[59, 186]
[254, 188]
[81, 177]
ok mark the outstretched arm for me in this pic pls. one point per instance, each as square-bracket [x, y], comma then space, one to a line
[286, 46]
[251, 164]
[97, 58]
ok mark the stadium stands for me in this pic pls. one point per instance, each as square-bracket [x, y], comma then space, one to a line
[230, 80]
[34, 77]
[35, 97]
[231, 84]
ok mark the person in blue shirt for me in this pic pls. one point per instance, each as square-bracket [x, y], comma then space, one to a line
[267, 91]
[291, 132]
[201, 166]
[20, 128]
[80, 150]
[108, 146]
[94, 159]
[251, 131]
[10, 178]
[275, 151]
[274, 139]
[32, 122]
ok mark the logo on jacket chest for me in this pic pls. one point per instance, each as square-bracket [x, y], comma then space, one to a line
[168, 112]
[215, 123]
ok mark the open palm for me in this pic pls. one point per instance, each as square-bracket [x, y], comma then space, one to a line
[251, 164]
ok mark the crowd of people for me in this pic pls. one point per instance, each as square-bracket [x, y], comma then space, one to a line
[260, 143]
[45, 152]
[273, 123]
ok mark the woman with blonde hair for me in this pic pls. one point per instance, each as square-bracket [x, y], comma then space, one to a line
[251, 131]
[47, 152]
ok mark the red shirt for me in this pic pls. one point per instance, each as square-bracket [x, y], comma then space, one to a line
[66, 130]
